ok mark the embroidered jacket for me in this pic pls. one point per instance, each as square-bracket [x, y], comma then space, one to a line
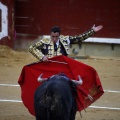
[46, 46]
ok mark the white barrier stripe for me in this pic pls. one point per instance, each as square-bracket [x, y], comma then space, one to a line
[110, 108]
[114, 91]
[2, 100]
[9, 85]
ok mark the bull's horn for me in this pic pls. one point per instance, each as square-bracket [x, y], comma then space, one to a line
[79, 82]
[40, 79]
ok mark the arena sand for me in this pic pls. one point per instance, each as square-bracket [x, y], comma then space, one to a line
[11, 64]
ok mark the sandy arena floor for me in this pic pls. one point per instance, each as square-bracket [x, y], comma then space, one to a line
[11, 64]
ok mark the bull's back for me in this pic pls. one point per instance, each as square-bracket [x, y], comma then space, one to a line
[53, 100]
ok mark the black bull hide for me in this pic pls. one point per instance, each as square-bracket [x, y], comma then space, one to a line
[55, 99]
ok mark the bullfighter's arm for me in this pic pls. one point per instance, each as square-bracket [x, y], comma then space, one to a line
[85, 35]
[37, 49]
[77, 39]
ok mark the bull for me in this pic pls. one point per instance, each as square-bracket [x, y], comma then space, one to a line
[55, 99]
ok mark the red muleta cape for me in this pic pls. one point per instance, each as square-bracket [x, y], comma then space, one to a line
[72, 68]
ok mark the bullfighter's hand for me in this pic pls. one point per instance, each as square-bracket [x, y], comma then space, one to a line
[90, 97]
[45, 58]
[97, 28]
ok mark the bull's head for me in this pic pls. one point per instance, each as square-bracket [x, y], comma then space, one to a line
[77, 82]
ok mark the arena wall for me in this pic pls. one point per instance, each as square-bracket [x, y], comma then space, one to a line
[26, 21]
[7, 33]
[96, 50]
